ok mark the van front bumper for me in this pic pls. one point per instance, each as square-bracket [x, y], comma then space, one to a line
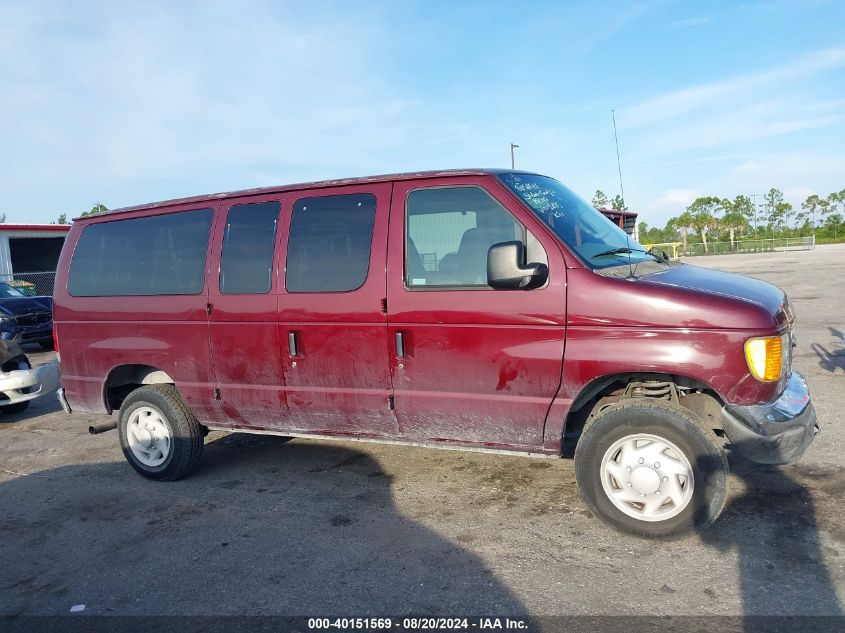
[777, 432]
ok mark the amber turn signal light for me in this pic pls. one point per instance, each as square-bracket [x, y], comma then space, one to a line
[764, 356]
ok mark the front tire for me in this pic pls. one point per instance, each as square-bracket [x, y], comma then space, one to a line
[651, 468]
[160, 437]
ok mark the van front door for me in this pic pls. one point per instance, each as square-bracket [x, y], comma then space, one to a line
[469, 363]
[332, 325]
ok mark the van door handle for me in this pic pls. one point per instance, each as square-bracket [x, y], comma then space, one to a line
[292, 343]
[400, 344]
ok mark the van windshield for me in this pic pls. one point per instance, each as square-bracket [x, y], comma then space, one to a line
[598, 241]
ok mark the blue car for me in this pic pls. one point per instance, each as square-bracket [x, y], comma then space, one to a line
[25, 319]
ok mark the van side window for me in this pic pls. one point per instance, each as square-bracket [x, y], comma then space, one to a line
[329, 243]
[448, 233]
[154, 255]
[246, 264]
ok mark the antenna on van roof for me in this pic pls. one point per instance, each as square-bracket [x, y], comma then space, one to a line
[622, 192]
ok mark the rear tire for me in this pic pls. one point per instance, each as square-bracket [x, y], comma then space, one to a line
[160, 437]
[651, 468]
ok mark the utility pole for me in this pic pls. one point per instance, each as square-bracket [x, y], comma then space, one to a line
[513, 163]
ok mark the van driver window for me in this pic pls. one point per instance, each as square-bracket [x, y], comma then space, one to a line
[448, 233]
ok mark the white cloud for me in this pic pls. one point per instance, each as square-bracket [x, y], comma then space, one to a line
[781, 165]
[797, 174]
[797, 195]
[130, 102]
[687, 22]
[175, 96]
[696, 160]
[677, 102]
[735, 129]
[675, 200]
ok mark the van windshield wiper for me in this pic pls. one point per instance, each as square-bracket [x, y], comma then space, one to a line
[623, 250]
[615, 251]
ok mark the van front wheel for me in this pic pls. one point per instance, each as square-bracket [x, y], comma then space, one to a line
[651, 469]
[160, 437]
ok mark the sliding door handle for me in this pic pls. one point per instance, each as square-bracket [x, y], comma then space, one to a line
[292, 343]
[400, 344]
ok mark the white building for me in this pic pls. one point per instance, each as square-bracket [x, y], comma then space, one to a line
[30, 252]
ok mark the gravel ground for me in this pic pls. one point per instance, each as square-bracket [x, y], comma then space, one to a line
[318, 527]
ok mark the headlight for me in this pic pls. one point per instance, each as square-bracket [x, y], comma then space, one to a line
[766, 357]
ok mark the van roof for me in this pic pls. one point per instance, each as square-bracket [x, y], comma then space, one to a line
[411, 175]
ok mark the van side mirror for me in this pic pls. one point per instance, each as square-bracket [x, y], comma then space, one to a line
[506, 271]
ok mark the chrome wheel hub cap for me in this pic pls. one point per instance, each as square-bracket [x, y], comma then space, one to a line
[148, 436]
[646, 481]
[647, 477]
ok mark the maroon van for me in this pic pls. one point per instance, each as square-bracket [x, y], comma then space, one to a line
[477, 309]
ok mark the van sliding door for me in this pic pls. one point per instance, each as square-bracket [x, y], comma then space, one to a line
[332, 326]
[243, 295]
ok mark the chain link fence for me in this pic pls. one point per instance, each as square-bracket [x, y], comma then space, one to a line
[769, 245]
[750, 246]
[31, 284]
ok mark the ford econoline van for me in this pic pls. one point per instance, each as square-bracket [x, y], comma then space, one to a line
[479, 309]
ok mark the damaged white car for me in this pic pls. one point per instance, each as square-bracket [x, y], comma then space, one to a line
[19, 382]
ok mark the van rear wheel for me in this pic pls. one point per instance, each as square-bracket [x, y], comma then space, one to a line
[160, 437]
[651, 468]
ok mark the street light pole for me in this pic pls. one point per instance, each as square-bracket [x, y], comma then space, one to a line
[513, 163]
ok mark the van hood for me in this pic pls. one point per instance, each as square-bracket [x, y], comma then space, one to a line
[728, 285]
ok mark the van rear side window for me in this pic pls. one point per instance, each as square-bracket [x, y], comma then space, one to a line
[157, 255]
[329, 243]
[246, 266]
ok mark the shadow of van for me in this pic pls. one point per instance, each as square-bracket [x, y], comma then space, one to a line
[774, 528]
[264, 527]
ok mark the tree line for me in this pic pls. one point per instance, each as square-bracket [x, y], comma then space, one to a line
[97, 208]
[723, 219]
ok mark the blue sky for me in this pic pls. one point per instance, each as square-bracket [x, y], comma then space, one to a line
[132, 102]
